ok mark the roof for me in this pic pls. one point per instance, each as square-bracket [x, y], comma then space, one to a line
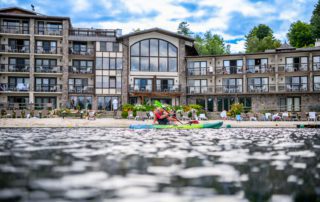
[156, 29]
[18, 11]
[285, 46]
[22, 13]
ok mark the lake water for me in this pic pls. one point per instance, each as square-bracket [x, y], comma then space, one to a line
[102, 164]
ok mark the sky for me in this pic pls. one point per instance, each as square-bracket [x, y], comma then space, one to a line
[232, 19]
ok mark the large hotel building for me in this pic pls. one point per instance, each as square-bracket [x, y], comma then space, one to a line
[46, 62]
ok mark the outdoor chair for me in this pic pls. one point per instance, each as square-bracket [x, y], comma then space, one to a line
[268, 116]
[185, 116]
[303, 116]
[285, 116]
[18, 114]
[294, 117]
[141, 115]
[45, 113]
[223, 114]
[9, 114]
[118, 115]
[238, 117]
[202, 117]
[261, 117]
[312, 116]
[130, 115]
[91, 115]
[36, 113]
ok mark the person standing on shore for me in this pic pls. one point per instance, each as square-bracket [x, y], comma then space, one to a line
[115, 107]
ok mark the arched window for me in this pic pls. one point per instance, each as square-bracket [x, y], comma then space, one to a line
[154, 55]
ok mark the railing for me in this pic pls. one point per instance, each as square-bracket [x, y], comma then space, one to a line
[200, 89]
[90, 32]
[198, 71]
[290, 87]
[49, 69]
[19, 87]
[230, 70]
[294, 67]
[49, 31]
[87, 51]
[316, 66]
[80, 70]
[229, 89]
[47, 50]
[157, 88]
[316, 86]
[14, 49]
[14, 68]
[252, 69]
[41, 106]
[258, 88]
[28, 106]
[48, 88]
[14, 29]
[80, 89]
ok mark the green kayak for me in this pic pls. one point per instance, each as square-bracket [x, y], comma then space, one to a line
[214, 125]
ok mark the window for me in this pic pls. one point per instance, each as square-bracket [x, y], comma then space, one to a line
[247, 104]
[198, 85]
[77, 84]
[105, 102]
[225, 103]
[290, 104]
[142, 84]
[197, 68]
[18, 64]
[112, 82]
[21, 83]
[22, 101]
[297, 83]
[201, 102]
[109, 46]
[44, 102]
[82, 102]
[316, 63]
[258, 84]
[46, 47]
[257, 65]
[45, 84]
[210, 103]
[232, 85]
[165, 84]
[108, 82]
[316, 83]
[45, 64]
[232, 66]
[296, 64]
[83, 66]
[154, 55]
[108, 63]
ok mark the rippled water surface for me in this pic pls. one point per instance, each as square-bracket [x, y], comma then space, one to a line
[95, 164]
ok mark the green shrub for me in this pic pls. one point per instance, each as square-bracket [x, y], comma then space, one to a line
[236, 109]
[124, 114]
[127, 107]
[23, 114]
[139, 107]
[196, 107]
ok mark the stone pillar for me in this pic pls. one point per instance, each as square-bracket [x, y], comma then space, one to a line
[65, 63]
[310, 80]
[244, 77]
[182, 71]
[276, 71]
[125, 71]
[32, 61]
[215, 104]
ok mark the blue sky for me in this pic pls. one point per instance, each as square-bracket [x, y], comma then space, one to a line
[232, 19]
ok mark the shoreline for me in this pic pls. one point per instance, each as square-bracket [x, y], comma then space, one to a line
[124, 123]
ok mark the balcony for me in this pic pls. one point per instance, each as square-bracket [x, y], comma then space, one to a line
[229, 89]
[47, 50]
[80, 89]
[92, 32]
[230, 70]
[48, 69]
[259, 69]
[14, 68]
[263, 88]
[316, 87]
[11, 29]
[14, 49]
[49, 31]
[19, 87]
[48, 88]
[316, 66]
[165, 89]
[200, 89]
[295, 67]
[87, 51]
[198, 72]
[290, 87]
[80, 70]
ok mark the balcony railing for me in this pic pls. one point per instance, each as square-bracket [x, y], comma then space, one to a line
[229, 89]
[290, 87]
[258, 88]
[293, 67]
[316, 66]
[48, 69]
[14, 49]
[19, 87]
[316, 86]
[90, 32]
[14, 29]
[198, 72]
[47, 50]
[48, 88]
[157, 88]
[80, 89]
[49, 31]
[87, 51]
[200, 89]
[14, 68]
[230, 70]
[253, 69]
[80, 70]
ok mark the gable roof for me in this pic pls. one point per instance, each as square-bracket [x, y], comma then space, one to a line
[159, 30]
[18, 10]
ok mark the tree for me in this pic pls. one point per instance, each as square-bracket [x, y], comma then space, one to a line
[184, 29]
[210, 44]
[315, 21]
[136, 30]
[300, 34]
[261, 38]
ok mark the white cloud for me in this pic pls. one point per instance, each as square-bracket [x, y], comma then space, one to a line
[237, 47]
[80, 5]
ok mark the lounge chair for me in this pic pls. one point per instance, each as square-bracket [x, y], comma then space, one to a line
[9, 114]
[285, 116]
[202, 117]
[312, 116]
[118, 115]
[223, 114]
[268, 116]
[92, 115]
[303, 116]
[185, 116]
[18, 114]
[45, 113]
[141, 115]
[130, 115]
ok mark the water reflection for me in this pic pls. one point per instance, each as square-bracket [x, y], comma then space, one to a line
[94, 164]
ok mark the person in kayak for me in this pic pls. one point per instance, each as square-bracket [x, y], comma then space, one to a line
[162, 117]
